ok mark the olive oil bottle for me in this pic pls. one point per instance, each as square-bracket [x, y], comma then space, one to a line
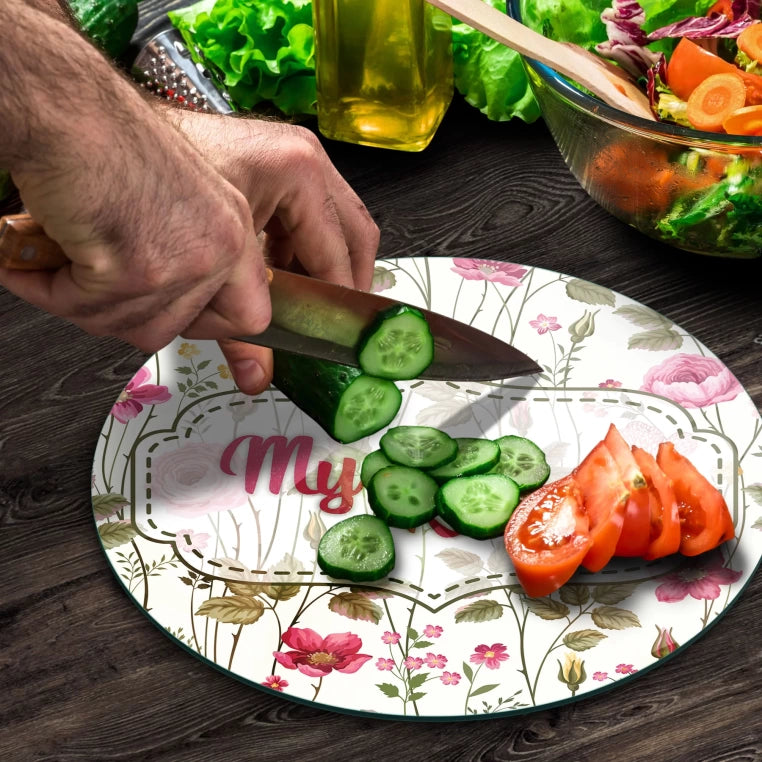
[384, 71]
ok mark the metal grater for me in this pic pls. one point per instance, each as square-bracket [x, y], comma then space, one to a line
[165, 67]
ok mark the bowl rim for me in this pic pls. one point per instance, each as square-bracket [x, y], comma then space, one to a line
[602, 110]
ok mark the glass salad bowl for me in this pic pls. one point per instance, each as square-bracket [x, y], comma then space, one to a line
[696, 191]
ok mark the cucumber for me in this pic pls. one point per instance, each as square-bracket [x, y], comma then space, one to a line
[398, 345]
[347, 403]
[523, 461]
[371, 463]
[360, 549]
[402, 496]
[478, 506]
[418, 446]
[475, 456]
[110, 24]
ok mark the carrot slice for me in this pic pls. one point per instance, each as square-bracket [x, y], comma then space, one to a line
[750, 41]
[714, 100]
[744, 121]
[725, 7]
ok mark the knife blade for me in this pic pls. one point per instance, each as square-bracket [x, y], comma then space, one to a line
[315, 318]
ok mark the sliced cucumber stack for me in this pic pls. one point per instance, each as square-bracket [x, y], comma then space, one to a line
[360, 549]
[402, 496]
[523, 461]
[478, 506]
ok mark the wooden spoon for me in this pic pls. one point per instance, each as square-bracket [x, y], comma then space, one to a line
[610, 83]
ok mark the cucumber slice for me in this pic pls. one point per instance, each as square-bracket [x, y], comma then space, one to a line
[478, 506]
[402, 496]
[475, 456]
[418, 446]
[523, 461]
[348, 404]
[398, 345]
[371, 463]
[360, 549]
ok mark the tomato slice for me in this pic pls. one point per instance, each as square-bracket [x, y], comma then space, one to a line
[604, 496]
[636, 528]
[547, 537]
[664, 523]
[705, 520]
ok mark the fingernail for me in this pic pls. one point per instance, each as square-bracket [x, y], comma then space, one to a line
[249, 376]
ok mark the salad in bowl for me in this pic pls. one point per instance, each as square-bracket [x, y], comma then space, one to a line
[693, 177]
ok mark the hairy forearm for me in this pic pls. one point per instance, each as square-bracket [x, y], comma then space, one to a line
[59, 91]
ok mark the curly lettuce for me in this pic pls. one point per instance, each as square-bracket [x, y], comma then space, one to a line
[490, 76]
[260, 50]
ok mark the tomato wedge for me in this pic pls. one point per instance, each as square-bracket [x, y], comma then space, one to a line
[704, 516]
[547, 537]
[604, 496]
[664, 522]
[636, 528]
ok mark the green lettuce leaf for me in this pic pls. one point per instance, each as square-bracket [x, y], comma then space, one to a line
[261, 50]
[490, 76]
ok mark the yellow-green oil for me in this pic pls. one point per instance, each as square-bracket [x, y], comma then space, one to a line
[384, 71]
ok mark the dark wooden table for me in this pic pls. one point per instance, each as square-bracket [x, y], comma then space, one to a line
[85, 676]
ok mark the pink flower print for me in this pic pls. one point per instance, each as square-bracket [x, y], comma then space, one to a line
[189, 482]
[432, 630]
[701, 583]
[450, 678]
[543, 324]
[600, 676]
[385, 665]
[383, 280]
[491, 656]
[486, 269]
[275, 682]
[435, 661]
[187, 540]
[413, 663]
[625, 669]
[316, 656]
[137, 393]
[392, 638]
[692, 381]
[610, 383]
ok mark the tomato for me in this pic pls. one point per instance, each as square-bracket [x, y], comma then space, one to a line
[705, 521]
[604, 496]
[636, 529]
[547, 537]
[664, 529]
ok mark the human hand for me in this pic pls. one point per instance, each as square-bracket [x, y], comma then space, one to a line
[160, 243]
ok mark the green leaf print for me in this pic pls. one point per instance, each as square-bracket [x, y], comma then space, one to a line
[589, 293]
[612, 594]
[484, 689]
[754, 491]
[612, 618]
[658, 340]
[479, 611]
[547, 608]
[107, 505]
[356, 606]
[115, 534]
[388, 689]
[574, 594]
[581, 640]
[234, 609]
[643, 316]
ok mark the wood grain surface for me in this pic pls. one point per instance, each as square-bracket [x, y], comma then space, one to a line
[85, 676]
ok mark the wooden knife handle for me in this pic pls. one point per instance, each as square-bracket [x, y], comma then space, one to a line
[25, 246]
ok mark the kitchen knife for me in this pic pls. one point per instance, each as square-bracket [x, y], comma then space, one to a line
[313, 317]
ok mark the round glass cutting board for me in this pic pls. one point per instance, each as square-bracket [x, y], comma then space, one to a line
[210, 505]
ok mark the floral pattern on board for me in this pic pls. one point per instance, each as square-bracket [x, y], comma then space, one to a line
[221, 551]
